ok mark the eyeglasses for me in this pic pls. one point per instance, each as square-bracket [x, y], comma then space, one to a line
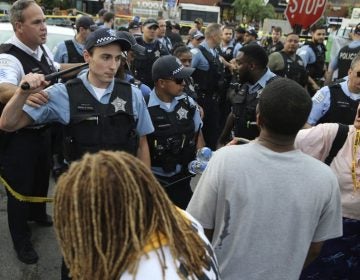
[178, 81]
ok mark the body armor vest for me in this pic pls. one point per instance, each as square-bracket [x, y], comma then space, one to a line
[345, 57]
[173, 141]
[293, 69]
[316, 69]
[270, 47]
[227, 54]
[95, 126]
[211, 81]
[73, 55]
[143, 63]
[29, 63]
[189, 88]
[342, 108]
[244, 109]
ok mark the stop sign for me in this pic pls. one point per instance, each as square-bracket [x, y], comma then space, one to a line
[304, 12]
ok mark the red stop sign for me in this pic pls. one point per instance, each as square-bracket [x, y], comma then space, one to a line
[304, 12]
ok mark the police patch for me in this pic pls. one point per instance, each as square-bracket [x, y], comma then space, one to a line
[119, 104]
[318, 97]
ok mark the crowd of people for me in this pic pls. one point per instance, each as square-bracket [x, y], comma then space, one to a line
[119, 135]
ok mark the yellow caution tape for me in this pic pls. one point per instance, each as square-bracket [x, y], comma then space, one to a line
[24, 198]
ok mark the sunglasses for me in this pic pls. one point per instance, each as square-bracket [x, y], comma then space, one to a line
[177, 81]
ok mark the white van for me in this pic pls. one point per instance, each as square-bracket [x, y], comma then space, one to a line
[187, 13]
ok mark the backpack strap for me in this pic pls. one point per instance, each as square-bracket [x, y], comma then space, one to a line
[338, 142]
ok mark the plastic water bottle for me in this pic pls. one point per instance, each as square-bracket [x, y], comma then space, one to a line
[197, 166]
[204, 154]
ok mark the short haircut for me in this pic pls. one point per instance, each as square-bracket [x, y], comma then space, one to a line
[16, 10]
[211, 29]
[227, 27]
[355, 60]
[284, 106]
[255, 54]
[180, 48]
[108, 16]
[277, 29]
[315, 27]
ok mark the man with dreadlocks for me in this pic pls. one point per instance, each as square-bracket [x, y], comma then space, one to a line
[113, 220]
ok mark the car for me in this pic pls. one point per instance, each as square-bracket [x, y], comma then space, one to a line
[55, 34]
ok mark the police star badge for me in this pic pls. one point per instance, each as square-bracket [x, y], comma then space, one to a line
[119, 104]
[182, 113]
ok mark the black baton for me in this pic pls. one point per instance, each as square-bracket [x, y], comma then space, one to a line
[49, 77]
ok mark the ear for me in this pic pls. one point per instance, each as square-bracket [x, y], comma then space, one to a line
[18, 26]
[86, 56]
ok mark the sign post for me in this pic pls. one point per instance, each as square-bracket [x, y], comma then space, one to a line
[301, 14]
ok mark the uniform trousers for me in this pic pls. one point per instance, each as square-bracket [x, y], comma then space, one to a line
[25, 165]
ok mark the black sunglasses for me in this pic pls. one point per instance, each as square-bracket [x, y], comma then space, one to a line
[178, 81]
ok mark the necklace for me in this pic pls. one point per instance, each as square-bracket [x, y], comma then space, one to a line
[354, 164]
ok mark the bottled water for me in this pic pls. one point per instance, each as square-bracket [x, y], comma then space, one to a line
[198, 165]
[204, 154]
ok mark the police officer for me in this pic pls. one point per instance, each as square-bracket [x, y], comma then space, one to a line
[177, 128]
[226, 53]
[71, 51]
[25, 155]
[338, 102]
[252, 75]
[286, 63]
[162, 37]
[153, 50]
[343, 60]
[208, 76]
[273, 44]
[99, 112]
[313, 55]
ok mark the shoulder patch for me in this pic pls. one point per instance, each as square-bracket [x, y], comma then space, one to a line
[4, 62]
[318, 97]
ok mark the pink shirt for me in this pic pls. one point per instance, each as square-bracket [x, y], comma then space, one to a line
[317, 142]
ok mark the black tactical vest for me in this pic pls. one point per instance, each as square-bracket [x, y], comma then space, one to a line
[270, 47]
[29, 63]
[345, 57]
[143, 63]
[95, 126]
[244, 110]
[211, 81]
[227, 54]
[293, 69]
[342, 108]
[190, 88]
[316, 69]
[173, 141]
[73, 55]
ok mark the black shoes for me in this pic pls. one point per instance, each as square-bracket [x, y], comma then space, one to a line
[27, 254]
[44, 222]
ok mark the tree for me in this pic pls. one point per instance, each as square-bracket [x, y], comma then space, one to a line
[253, 10]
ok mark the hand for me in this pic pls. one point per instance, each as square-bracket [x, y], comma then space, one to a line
[35, 81]
[37, 99]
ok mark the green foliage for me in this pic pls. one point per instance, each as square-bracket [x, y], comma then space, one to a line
[253, 10]
[50, 4]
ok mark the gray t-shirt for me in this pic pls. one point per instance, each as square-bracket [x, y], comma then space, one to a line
[266, 208]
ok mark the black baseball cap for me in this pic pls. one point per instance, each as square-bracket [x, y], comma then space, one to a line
[105, 36]
[134, 24]
[150, 22]
[251, 32]
[169, 66]
[134, 45]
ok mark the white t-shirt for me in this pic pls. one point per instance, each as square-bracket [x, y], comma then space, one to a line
[266, 208]
[150, 267]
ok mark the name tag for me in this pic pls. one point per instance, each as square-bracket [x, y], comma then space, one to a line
[85, 107]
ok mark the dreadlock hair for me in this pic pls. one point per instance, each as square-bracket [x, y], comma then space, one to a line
[108, 206]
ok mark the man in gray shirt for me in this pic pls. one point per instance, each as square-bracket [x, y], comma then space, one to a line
[265, 206]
